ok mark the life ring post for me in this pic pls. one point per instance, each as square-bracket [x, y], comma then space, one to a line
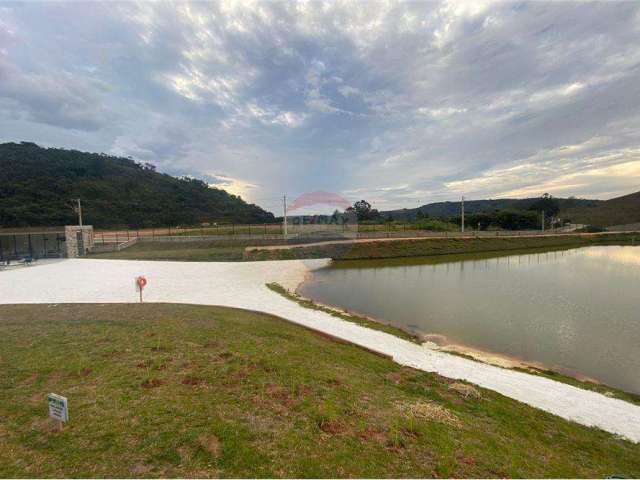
[141, 282]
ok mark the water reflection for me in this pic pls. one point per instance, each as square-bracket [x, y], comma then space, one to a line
[573, 310]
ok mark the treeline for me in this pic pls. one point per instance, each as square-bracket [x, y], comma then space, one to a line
[452, 209]
[504, 219]
[37, 186]
[529, 219]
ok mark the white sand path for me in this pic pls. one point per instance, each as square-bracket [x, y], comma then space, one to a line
[242, 285]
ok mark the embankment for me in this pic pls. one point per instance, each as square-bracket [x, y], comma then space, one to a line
[396, 248]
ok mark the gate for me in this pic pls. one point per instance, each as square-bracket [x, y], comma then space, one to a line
[80, 243]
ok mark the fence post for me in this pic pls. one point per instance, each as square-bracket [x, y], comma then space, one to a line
[128, 235]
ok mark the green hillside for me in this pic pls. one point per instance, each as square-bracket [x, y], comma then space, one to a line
[617, 211]
[452, 209]
[37, 185]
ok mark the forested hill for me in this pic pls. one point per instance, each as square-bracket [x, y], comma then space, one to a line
[452, 209]
[37, 185]
[617, 211]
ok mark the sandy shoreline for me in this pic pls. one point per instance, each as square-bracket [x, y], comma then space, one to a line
[243, 285]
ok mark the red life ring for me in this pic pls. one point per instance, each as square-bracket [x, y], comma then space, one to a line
[142, 282]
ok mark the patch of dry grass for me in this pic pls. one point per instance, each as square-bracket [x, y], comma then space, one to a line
[466, 390]
[430, 411]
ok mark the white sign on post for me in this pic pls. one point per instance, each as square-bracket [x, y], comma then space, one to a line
[58, 409]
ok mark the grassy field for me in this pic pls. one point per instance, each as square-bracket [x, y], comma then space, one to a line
[268, 229]
[177, 390]
[432, 246]
[201, 251]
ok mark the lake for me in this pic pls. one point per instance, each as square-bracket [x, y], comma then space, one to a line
[575, 311]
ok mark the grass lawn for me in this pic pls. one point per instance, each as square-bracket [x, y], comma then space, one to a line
[178, 390]
[200, 251]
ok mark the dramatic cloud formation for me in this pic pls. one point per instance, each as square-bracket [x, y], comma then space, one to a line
[398, 103]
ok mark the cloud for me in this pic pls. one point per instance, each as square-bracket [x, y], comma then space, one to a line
[235, 186]
[397, 103]
[60, 100]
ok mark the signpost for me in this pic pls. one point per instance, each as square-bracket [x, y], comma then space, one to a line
[58, 409]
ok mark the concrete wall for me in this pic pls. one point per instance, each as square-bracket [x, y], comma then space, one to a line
[71, 232]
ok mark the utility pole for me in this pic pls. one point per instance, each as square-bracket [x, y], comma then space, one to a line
[79, 210]
[462, 211]
[284, 202]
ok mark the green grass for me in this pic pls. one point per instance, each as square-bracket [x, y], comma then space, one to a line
[432, 246]
[191, 391]
[201, 251]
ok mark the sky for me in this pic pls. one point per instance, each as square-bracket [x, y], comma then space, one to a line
[398, 103]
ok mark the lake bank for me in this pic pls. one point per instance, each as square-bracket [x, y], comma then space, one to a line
[569, 311]
[418, 247]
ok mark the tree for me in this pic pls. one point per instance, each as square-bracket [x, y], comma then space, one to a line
[547, 204]
[420, 215]
[362, 208]
[364, 211]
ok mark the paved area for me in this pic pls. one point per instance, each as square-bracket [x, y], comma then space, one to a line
[242, 285]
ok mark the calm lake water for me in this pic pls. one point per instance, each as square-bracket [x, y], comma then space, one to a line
[575, 311]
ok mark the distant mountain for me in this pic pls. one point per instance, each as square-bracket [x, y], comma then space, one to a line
[617, 211]
[37, 185]
[452, 209]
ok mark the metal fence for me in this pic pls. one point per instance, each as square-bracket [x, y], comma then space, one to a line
[304, 232]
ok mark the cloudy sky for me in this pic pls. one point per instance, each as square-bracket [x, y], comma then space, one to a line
[398, 103]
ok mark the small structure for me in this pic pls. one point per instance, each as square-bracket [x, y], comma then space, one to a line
[45, 242]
